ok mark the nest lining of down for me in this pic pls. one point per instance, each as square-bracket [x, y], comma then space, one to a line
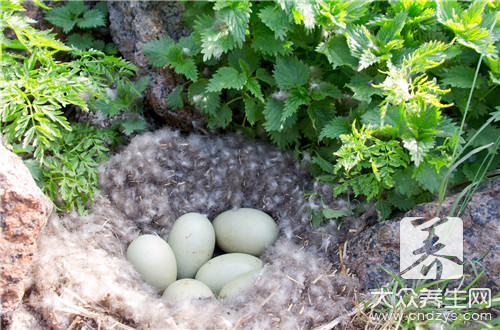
[80, 272]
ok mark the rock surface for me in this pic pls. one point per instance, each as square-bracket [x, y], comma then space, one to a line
[379, 245]
[24, 210]
[134, 23]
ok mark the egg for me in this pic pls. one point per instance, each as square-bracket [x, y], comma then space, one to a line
[245, 230]
[218, 271]
[238, 285]
[192, 238]
[153, 258]
[187, 289]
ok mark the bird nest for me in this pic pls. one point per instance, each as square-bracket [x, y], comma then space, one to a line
[80, 276]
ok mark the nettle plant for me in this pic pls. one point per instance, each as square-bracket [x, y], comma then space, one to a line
[35, 92]
[372, 92]
[77, 21]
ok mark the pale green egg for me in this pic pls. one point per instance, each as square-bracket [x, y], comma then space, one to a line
[218, 271]
[245, 230]
[238, 285]
[192, 238]
[153, 258]
[187, 289]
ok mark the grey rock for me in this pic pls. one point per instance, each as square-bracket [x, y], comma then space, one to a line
[379, 245]
[134, 23]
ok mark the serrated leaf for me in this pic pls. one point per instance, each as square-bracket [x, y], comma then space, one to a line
[35, 170]
[428, 178]
[131, 125]
[215, 41]
[335, 128]
[294, 100]
[335, 214]
[62, 17]
[222, 117]
[362, 86]
[226, 77]
[462, 77]
[188, 68]
[236, 16]
[80, 41]
[337, 52]
[174, 98]
[321, 113]
[285, 137]
[265, 43]
[209, 102]
[391, 28]
[401, 202]
[290, 72]
[272, 114]
[156, 51]
[265, 76]
[246, 54]
[91, 19]
[251, 110]
[325, 165]
[358, 40]
[188, 46]
[76, 7]
[404, 183]
[418, 148]
[383, 209]
[254, 87]
[275, 19]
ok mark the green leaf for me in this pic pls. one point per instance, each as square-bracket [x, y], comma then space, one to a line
[290, 72]
[294, 100]
[251, 110]
[62, 17]
[265, 76]
[272, 114]
[187, 68]
[247, 55]
[325, 165]
[401, 202]
[321, 113]
[335, 128]
[391, 28]
[35, 170]
[226, 77]
[174, 98]
[91, 19]
[404, 183]
[285, 138]
[236, 16]
[362, 86]
[275, 19]
[222, 118]
[462, 77]
[337, 52]
[265, 43]
[254, 87]
[358, 40]
[383, 209]
[76, 7]
[131, 125]
[156, 51]
[335, 214]
[209, 102]
[216, 40]
[428, 178]
[418, 148]
[81, 41]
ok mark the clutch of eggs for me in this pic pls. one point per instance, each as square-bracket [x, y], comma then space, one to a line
[187, 254]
